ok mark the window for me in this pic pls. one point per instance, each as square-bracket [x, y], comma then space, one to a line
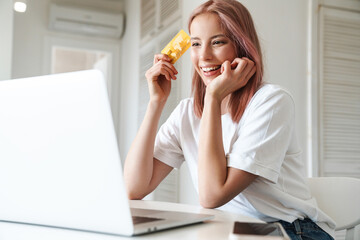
[72, 59]
[67, 53]
[339, 92]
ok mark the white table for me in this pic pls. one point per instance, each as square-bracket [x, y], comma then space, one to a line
[217, 228]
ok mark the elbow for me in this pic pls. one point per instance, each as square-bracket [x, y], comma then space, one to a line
[205, 204]
[210, 201]
[135, 191]
[134, 195]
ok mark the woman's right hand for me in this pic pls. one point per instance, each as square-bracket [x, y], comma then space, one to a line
[159, 78]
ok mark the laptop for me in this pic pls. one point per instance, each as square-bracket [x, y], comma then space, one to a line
[59, 159]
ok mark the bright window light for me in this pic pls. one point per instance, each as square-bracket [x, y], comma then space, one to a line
[20, 6]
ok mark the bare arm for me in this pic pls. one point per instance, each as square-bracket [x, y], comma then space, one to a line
[142, 172]
[218, 184]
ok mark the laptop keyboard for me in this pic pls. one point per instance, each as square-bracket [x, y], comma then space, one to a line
[138, 219]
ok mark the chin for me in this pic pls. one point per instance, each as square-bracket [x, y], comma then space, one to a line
[207, 80]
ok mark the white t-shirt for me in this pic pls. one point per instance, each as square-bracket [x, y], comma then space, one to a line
[263, 143]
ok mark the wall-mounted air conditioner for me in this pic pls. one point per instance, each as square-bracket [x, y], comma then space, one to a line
[85, 21]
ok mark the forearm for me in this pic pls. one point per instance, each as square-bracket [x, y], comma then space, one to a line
[138, 168]
[218, 184]
[212, 162]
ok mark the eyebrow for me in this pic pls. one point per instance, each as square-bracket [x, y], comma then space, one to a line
[215, 36]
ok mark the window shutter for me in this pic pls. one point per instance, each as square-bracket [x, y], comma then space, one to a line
[339, 92]
[154, 38]
[148, 17]
[169, 11]
[156, 16]
[174, 95]
[146, 61]
[169, 187]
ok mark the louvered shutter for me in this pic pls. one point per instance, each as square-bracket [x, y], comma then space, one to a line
[169, 11]
[169, 187]
[148, 18]
[339, 96]
[174, 95]
[157, 16]
[146, 61]
[158, 27]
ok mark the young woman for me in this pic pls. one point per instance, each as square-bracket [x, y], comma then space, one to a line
[236, 134]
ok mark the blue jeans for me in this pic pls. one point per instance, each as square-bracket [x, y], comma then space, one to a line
[305, 230]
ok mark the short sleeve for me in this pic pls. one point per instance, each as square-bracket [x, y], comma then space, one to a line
[264, 135]
[167, 144]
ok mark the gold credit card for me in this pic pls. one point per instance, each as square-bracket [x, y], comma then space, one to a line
[177, 46]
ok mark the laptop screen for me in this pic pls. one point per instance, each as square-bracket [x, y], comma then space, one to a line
[59, 159]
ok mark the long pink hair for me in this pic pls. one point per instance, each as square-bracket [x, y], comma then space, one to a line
[238, 26]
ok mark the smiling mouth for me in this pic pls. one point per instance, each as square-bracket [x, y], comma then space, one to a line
[210, 69]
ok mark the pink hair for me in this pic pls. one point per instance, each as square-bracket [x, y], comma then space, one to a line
[238, 26]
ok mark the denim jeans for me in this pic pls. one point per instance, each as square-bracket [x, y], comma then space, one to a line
[305, 230]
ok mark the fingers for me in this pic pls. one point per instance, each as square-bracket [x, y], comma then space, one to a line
[160, 69]
[167, 71]
[162, 66]
[249, 70]
[234, 64]
[159, 57]
[225, 67]
[239, 68]
[244, 67]
[251, 73]
[165, 61]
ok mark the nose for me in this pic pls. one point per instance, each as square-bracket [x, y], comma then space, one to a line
[205, 52]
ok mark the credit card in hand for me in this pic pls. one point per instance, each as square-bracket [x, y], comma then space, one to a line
[177, 46]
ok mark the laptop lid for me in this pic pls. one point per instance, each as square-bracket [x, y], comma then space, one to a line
[59, 159]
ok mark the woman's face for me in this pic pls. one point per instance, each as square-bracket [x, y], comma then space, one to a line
[209, 46]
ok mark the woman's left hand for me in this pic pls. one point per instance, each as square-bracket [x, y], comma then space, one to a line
[233, 76]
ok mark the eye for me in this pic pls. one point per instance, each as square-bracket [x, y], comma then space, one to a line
[195, 44]
[217, 42]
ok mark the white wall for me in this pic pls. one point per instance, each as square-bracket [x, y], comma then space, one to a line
[6, 26]
[282, 28]
[29, 31]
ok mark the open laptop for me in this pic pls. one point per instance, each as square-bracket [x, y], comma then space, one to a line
[59, 159]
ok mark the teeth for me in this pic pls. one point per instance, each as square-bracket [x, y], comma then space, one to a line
[208, 69]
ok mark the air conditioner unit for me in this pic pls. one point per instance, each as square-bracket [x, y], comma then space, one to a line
[85, 21]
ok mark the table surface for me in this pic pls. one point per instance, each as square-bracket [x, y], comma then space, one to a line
[217, 228]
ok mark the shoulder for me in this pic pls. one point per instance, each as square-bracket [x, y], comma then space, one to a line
[185, 104]
[271, 94]
[184, 109]
[268, 91]
[270, 99]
